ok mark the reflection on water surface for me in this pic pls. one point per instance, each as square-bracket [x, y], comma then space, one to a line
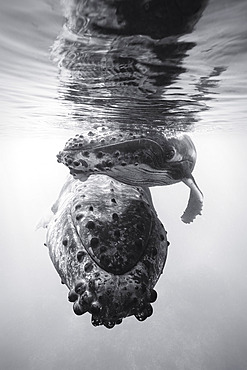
[116, 66]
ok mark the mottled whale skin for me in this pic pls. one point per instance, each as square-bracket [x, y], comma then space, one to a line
[135, 157]
[109, 247]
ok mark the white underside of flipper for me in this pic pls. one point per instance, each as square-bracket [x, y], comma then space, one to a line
[195, 203]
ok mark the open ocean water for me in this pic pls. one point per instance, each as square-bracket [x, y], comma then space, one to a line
[194, 82]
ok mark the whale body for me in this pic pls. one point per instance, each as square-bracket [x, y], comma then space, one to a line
[109, 247]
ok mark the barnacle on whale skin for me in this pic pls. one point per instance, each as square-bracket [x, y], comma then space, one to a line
[135, 157]
[109, 247]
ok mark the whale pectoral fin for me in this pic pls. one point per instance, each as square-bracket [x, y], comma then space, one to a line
[195, 203]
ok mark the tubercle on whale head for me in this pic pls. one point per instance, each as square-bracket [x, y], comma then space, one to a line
[110, 309]
[109, 304]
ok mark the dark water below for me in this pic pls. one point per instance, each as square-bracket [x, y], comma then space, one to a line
[195, 83]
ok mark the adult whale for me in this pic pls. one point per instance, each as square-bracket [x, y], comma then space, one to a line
[109, 247]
